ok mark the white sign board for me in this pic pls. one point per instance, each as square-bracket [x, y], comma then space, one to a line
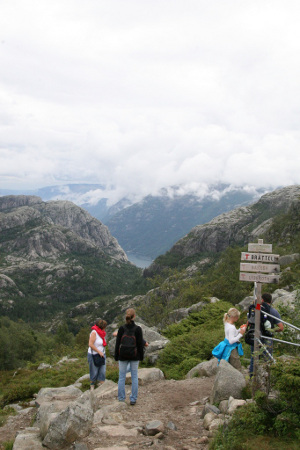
[259, 277]
[260, 267]
[259, 257]
[267, 248]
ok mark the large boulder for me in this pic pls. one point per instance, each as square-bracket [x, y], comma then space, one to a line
[28, 439]
[229, 382]
[288, 259]
[147, 375]
[63, 394]
[245, 303]
[280, 297]
[284, 298]
[73, 423]
[204, 369]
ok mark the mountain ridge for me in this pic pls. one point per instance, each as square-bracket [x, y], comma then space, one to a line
[54, 253]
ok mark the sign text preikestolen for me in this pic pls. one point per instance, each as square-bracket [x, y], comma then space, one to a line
[259, 257]
[259, 277]
[260, 247]
[259, 267]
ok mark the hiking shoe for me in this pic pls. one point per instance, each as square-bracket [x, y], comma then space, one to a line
[132, 402]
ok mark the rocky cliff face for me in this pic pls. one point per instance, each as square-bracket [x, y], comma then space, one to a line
[55, 252]
[237, 227]
[43, 229]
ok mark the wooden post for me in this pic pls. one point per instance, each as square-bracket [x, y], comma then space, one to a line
[256, 336]
[259, 270]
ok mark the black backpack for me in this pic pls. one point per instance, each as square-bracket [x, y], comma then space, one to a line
[128, 348]
[249, 334]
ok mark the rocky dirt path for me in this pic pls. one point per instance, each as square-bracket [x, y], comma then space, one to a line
[178, 402]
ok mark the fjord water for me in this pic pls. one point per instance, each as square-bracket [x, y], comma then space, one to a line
[139, 260]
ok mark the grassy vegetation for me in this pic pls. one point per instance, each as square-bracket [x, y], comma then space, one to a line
[270, 423]
[20, 385]
[192, 340]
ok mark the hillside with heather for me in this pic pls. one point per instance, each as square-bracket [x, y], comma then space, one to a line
[55, 255]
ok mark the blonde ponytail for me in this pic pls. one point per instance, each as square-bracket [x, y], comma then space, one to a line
[233, 312]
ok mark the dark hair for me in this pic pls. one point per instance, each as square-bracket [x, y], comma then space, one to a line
[130, 313]
[267, 297]
[101, 323]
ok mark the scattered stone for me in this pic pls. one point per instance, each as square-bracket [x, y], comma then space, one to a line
[80, 446]
[208, 419]
[154, 427]
[118, 430]
[203, 440]
[159, 435]
[14, 406]
[114, 448]
[43, 366]
[233, 404]
[209, 408]
[171, 426]
[223, 406]
[108, 411]
[215, 424]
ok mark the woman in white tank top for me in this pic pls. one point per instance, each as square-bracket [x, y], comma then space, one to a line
[97, 344]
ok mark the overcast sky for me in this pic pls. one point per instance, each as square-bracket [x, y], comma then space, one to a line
[141, 94]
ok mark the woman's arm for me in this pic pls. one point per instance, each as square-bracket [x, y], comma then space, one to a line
[140, 343]
[118, 342]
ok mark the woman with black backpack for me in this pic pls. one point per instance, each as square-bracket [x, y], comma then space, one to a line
[129, 350]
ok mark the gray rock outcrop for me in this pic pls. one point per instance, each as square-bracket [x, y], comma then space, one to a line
[237, 227]
[280, 297]
[51, 220]
[204, 369]
[147, 375]
[229, 382]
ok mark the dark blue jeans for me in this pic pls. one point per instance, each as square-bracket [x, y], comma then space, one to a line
[269, 345]
[96, 373]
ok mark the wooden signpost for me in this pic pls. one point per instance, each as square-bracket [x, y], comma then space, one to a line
[260, 268]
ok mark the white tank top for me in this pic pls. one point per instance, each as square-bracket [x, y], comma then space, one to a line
[98, 344]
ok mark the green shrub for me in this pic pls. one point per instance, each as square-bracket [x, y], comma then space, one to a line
[8, 445]
[193, 340]
[276, 418]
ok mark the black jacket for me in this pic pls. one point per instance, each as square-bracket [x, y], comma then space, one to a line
[139, 341]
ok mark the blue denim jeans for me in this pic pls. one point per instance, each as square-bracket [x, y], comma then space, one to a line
[134, 365]
[251, 362]
[96, 373]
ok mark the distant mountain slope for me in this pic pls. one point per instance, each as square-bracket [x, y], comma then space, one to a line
[150, 227]
[237, 227]
[55, 253]
[153, 225]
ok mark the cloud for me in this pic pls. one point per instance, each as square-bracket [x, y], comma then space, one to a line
[142, 95]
